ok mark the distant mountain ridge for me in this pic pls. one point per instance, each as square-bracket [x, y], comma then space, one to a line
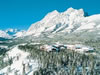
[11, 33]
[69, 21]
[3, 34]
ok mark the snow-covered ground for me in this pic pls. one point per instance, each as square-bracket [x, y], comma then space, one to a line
[21, 63]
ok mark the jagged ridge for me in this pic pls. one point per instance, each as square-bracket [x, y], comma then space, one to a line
[69, 21]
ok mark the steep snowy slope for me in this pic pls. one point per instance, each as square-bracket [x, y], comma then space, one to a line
[69, 21]
[20, 62]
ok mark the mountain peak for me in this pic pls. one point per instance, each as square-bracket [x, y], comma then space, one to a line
[55, 12]
[51, 15]
[71, 10]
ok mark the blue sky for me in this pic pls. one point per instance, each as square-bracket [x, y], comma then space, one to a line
[22, 13]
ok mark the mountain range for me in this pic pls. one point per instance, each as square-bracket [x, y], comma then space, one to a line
[11, 33]
[67, 22]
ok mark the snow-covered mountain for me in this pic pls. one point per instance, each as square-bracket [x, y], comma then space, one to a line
[3, 34]
[69, 21]
[19, 34]
[11, 33]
